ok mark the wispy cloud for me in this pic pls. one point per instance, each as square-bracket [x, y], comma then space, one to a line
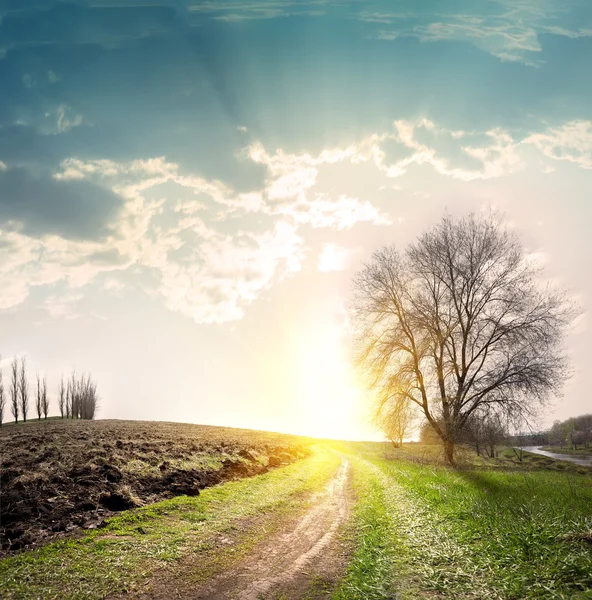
[508, 30]
[571, 142]
[209, 251]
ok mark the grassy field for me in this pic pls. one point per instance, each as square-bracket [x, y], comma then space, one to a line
[426, 531]
[492, 528]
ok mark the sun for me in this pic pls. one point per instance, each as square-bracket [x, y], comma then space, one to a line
[329, 400]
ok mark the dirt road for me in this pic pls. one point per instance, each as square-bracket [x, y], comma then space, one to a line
[302, 559]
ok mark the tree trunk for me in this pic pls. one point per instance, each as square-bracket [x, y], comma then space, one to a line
[449, 451]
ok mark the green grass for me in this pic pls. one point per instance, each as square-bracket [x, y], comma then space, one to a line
[372, 570]
[123, 555]
[469, 533]
[417, 531]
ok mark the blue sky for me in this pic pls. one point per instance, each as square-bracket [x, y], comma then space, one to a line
[186, 189]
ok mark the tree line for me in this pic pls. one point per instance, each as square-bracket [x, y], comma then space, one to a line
[76, 398]
[575, 433]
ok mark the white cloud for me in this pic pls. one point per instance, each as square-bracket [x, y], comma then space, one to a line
[342, 213]
[496, 155]
[227, 273]
[510, 33]
[571, 142]
[67, 119]
[211, 251]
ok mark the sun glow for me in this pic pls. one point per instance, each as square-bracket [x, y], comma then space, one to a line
[328, 398]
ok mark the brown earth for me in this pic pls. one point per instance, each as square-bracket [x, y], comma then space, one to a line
[304, 558]
[60, 477]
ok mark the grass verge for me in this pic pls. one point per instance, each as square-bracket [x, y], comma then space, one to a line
[372, 570]
[426, 531]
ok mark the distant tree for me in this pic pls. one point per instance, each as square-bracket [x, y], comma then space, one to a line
[518, 442]
[38, 405]
[74, 397]
[14, 389]
[472, 433]
[394, 418]
[493, 433]
[427, 434]
[23, 386]
[44, 398]
[556, 434]
[459, 322]
[2, 396]
[62, 398]
[88, 399]
[585, 426]
[69, 400]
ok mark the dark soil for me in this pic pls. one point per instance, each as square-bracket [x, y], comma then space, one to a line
[59, 477]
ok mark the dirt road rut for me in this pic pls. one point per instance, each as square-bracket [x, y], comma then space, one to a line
[303, 559]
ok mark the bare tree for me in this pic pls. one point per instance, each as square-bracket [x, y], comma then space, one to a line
[74, 397]
[394, 417]
[62, 398]
[23, 385]
[68, 400]
[494, 434]
[44, 398]
[2, 395]
[585, 425]
[459, 322]
[472, 433]
[88, 398]
[14, 396]
[38, 398]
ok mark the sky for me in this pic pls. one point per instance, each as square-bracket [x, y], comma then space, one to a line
[187, 188]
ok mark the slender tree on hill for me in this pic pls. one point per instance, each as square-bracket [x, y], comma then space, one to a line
[38, 398]
[44, 398]
[62, 399]
[23, 387]
[14, 389]
[458, 325]
[68, 400]
[75, 397]
[2, 396]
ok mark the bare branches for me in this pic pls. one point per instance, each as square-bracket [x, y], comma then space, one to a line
[38, 398]
[44, 398]
[459, 322]
[14, 397]
[81, 400]
[62, 399]
[23, 389]
[77, 397]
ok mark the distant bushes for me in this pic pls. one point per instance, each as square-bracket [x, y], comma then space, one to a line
[77, 398]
